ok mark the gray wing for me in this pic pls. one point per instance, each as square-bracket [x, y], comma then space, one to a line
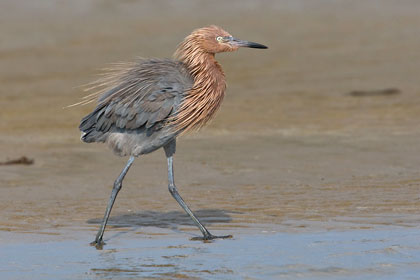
[143, 97]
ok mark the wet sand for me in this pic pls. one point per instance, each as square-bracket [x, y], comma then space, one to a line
[314, 180]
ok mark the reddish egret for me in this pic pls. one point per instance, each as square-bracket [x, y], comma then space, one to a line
[145, 105]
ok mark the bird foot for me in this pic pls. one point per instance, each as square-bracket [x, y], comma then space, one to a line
[207, 238]
[98, 244]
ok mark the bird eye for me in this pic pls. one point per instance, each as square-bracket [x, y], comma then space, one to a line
[219, 39]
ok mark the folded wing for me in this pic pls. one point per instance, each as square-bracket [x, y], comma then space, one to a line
[138, 99]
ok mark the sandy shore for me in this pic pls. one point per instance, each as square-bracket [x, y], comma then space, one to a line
[293, 149]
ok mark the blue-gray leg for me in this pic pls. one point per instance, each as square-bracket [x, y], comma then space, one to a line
[98, 243]
[169, 151]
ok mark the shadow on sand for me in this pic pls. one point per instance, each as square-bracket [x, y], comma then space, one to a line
[171, 219]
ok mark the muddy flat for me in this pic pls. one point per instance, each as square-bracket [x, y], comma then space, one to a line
[312, 163]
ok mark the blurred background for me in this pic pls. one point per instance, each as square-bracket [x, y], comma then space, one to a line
[320, 131]
[319, 51]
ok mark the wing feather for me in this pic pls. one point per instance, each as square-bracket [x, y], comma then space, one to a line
[143, 95]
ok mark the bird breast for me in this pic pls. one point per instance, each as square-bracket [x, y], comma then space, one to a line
[205, 97]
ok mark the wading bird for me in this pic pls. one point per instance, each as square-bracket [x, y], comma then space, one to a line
[145, 105]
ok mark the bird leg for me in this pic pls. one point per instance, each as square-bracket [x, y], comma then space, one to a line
[169, 150]
[98, 243]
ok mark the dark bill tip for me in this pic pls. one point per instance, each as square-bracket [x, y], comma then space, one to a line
[246, 44]
[255, 46]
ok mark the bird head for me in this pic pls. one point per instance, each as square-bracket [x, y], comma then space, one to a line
[214, 39]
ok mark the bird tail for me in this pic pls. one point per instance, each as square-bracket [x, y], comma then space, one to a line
[88, 128]
[92, 135]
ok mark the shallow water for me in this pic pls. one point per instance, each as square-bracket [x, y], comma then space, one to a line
[312, 163]
[391, 253]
